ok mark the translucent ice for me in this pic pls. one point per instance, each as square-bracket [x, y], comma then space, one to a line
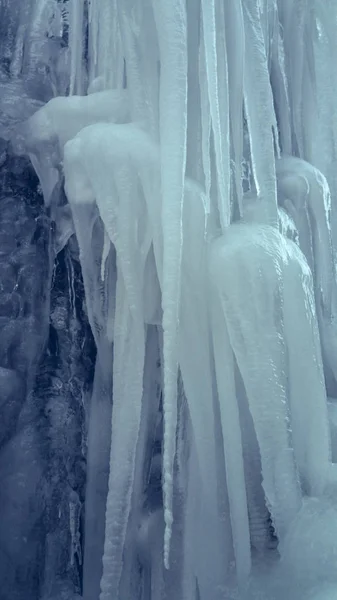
[200, 171]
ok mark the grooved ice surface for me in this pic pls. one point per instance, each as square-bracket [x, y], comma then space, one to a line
[168, 300]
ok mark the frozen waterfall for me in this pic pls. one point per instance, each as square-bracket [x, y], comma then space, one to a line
[186, 151]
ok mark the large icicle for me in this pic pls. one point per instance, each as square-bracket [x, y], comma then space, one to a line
[197, 378]
[224, 365]
[217, 81]
[81, 198]
[260, 111]
[304, 192]
[106, 61]
[251, 297]
[293, 15]
[121, 205]
[308, 402]
[138, 546]
[171, 25]
[116, 193]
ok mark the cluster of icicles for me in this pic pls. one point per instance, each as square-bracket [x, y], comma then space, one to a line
[186, 145]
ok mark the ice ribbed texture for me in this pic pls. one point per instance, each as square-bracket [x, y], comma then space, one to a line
[198, 144]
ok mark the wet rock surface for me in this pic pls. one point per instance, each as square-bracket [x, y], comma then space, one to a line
[46, 369]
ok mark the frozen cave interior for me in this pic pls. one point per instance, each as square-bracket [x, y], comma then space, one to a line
[168, 299]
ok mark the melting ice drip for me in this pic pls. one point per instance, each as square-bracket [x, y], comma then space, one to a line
[199, 156]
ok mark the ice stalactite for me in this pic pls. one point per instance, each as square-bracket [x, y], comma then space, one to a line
[217, 85]
[106, 61]
[171, 26]
[76, 38]
[235, 42]
[303, 190]
[224, 365]
[260, 113]
[198, 388]
[261, 339]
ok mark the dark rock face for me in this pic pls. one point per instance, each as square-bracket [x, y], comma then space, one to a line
[63, 381]
[46, 369]
[47, 353]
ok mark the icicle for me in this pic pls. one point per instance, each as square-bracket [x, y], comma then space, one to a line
[224, 365]
[309, 419]
[75, 507]
[198, 388]
[206, 124]
[260, 111]
[128, 367]
[118, 198]
[257, 338]
[81, 199]
[280, 88]
[106, 56]
[138, 545]
[293, 15]
[171, 25]
[93, 30]
[235, 41]
[76, 27]
[218, 93]
[133, 55]
[194, 167]
[105, 253]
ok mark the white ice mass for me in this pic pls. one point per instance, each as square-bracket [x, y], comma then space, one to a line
[198, 146]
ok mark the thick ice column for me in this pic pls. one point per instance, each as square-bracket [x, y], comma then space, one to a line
[121, 206]
[196, 370]
[80, 196]
[247, 270]
[303, 191]
[308, 402]
[230, 422]
[105, 44]
[172, 34]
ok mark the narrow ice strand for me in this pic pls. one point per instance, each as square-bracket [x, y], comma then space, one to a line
[224, 365]
[171, 26]
[194, 167]
[76, 13]
[293, 15]
[148, 50]
[225, 210]
[328, 19]
[105, 253]
[132, 56]
[221, 137]
[260, 111]
[197, 379]
[110, 64]
[280, 91]
[206, 124]
[235, 41]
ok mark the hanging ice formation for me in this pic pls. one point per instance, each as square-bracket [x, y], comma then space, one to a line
[198, 144]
